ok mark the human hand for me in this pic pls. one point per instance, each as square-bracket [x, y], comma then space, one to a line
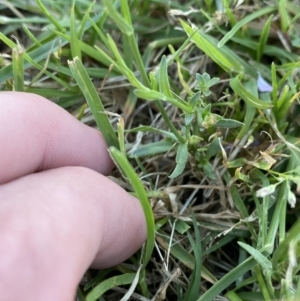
[59, 214]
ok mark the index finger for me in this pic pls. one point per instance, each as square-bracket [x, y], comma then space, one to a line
[36, 134]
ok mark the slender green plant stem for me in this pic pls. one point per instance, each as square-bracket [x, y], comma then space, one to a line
[281, 201]
[52, 19]
[282, 219]
[168, 121]
[138, 59]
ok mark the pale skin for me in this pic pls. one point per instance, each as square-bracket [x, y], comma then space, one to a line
[59, 214]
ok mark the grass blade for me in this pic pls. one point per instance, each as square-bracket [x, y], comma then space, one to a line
[112, 282]
[284, 16]
[274, 85]
[32, 59]
[232, 296]
[262, 283]
[18, 68]
[164, 85]
[91, 95]
[263, 38]
[152, 149]
[122, 24]
[194, 286]
[74, 41]
[184, 257]
[181, 159]
[50, 16]
[229, 278]
[249, 98]
[282, 250]
[260, 258]
[250, 111]
[122, 162]
[224, 60]
[264, 11]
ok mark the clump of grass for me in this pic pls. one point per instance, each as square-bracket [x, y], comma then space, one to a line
[207, 94]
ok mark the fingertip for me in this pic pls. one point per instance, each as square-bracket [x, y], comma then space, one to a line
[73, 218]
[127, 225]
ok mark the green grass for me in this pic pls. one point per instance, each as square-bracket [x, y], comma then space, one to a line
[218, 158]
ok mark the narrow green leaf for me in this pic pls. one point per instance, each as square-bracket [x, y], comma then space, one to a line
[110, 283]
[194, 283]
[74, 42]
[122, 24]
[263, 38]
[126, 168]
[281, 253]
[91, 95]
[152, 149]
[34, 20]
[50, 16]
[229, 13]
[150, 94]
[128, 57]
[283, 96]
[79, 294]
[18, 68]
[274, 85]
[275, 221]
[163, 80]
[270, 50]
[232, 296]
[262, 210]
[93, 282]
[235, 163]
[263, 261]
[238, 88]
[176, 250]
[244, 21]
[219, 244]
[115, 50]
[251, 296]
[101, 35]
[144, 128]
[229, 123]
[95, 52]
[225, 61]
[228, 279]
[121, 135]
[213, 148]
[262, 283]
[133, 45]
[121, 67]
[184, 256]
[297, 292]
[31, 36]
[181, 159]
[84, 23]
[239, 175]
[126, 11]
[50, 44]
[155, 95]
[48, 93]
[250, 86]
[239, 202]
[32, 59]
[182, 226]
[286, 105]
[208, 170]
[284, 16]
